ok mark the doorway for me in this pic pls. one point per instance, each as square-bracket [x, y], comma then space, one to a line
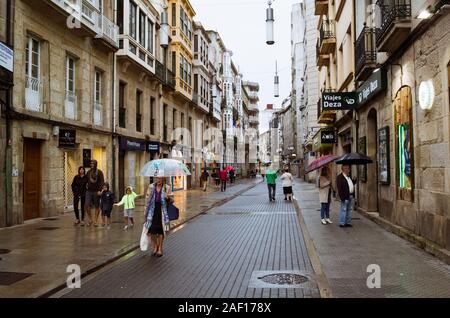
[70, 171]
[372, 169]
[31, 179]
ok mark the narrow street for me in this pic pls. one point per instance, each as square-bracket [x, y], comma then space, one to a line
[223, 253]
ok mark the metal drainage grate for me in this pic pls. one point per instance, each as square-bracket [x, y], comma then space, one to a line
[4, 251]
[284, 279]
[9, 278]
[47, 228]
[51, 219]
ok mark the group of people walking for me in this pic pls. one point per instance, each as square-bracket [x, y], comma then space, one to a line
[90, 191]
[287, 182]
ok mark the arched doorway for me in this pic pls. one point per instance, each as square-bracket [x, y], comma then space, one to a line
[372, 173]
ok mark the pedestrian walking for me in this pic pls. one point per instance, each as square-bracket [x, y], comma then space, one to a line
[128, 202]
[263, 172]
[107, 199]
[216, 178]
[94, 187]
[223, 180]
[204, 177]
[79, 194]
[232, 175]
[346, 190]
[287, 181]
[325, 188]
[271, 178]
[157, 221]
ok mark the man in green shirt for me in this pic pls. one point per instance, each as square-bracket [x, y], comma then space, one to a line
[271, 178]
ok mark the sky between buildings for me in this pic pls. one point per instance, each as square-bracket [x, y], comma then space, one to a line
[242, 26]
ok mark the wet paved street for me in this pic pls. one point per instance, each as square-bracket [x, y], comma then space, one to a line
[220, 254]
[345, 253]
[44, 248]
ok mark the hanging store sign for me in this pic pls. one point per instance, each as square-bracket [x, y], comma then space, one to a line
[153, 146]
[327, 137]
[339, 101]
[67, 138]
[376, 83]
[130, 144]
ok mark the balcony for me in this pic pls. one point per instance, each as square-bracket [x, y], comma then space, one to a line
[365, 53]
[34, 93]
[98, 110]
[322, 59]
[321, 7]
[253, 96]
[396, 24]
[160, 71]
[108, 31]
[70, 105]
[327, 38]
[253, 119]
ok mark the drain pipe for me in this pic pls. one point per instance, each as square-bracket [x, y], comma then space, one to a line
[113, 109]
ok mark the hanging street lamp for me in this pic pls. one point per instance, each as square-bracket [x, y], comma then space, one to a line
[164, 30]
[269, 24]
[276, 81]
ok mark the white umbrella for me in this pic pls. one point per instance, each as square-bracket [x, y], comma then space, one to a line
[164, 168]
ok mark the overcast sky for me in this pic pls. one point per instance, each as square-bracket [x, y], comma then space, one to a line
[242, 26]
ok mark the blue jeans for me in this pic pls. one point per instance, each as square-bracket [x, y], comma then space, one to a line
[345, 216]
[272, 191]
[325, 211]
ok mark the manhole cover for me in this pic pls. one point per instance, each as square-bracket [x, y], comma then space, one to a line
[47, 228]
[4, 251]
[9, 278]
[284, 279]
[51, 219]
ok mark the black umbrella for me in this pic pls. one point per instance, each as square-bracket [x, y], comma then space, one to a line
[354, 159]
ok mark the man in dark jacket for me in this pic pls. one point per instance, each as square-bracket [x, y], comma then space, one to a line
[346, 191]
[94, 187]
[204, 178]
[79, 194]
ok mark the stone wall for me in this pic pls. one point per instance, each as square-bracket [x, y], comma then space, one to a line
[429, 214]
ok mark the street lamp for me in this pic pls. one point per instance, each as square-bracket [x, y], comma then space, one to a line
[164, 30]
[276, 82]
[269, 24]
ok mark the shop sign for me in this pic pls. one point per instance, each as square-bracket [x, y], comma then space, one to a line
[67, 138]
[375, 84]
[6, 57]
[327, 137]
[130, 144]
[153, 146]
[339, 101]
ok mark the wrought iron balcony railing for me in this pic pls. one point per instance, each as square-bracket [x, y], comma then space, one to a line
[365, 48]
[391, 12]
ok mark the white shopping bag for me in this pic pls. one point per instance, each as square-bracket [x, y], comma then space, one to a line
[144, 239]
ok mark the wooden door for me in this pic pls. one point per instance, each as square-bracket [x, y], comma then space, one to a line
[32, 179]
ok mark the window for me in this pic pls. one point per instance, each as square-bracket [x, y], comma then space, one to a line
[196, 43]
[71, 98]
[150, 36]
[174, 119]
[152, 115]
[142, 33]
[122, 109]
[120, 16]
[133, 18]
[182, 120]
[165, 122]
[195, 83]
[174, 14]
[33, 83]
[98, 109]
[185, 24]
[32, 60]
[138, 111]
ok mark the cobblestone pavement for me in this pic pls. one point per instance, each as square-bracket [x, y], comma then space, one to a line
[220, 254]
[345, 253]
[45, 247]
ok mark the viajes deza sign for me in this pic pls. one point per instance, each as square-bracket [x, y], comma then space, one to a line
[339, 101]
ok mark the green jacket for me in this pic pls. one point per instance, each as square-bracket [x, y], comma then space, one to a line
[271, 178]
[128, 201]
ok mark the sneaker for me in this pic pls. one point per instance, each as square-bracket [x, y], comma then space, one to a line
[82, 223]
[348, 225]
[341, 225]
[125, 227]
[324, 222]
[328, 221]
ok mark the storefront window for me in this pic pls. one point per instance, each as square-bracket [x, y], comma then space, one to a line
[405, 149]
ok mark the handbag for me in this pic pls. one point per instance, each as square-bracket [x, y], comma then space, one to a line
[173, 212]
[144, 239]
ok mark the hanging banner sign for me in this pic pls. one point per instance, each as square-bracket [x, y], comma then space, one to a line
[375, 84]
[327, 137]
[339, 101]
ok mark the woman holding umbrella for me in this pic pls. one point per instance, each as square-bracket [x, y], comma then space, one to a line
[157, 222]
[157, 219]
